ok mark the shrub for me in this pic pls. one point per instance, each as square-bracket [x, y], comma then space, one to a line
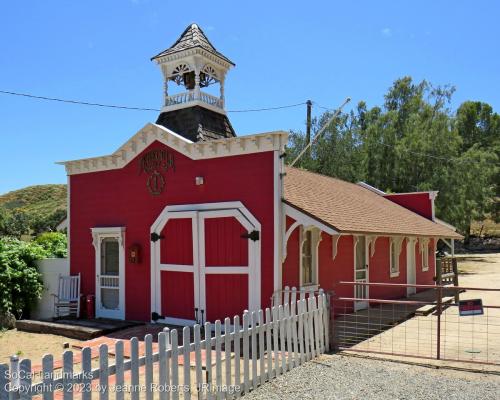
[55, 244]
[20, 282]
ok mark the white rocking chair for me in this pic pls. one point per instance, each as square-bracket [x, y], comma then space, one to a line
[67, 299]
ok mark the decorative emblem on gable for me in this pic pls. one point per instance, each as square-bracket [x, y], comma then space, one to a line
[154, 163]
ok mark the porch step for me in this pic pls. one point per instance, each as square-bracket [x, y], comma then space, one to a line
[430, 308]
[81, 329]
[425, 310]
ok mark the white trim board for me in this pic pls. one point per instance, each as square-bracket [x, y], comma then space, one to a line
[300, 219]
[269, 141]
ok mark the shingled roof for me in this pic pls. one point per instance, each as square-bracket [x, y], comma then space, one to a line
[197, 123]
[192, 37]
[350, 208]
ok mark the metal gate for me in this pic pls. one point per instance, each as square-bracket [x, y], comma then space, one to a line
[438, 322]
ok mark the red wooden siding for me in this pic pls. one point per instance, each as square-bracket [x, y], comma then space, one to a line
[341, 269]
[290, 267]
[177, 289]
[120, 198]
[330, 271]
[224, 245]
[177, 245]
[380, 270]
[419, 203]
[227, 295]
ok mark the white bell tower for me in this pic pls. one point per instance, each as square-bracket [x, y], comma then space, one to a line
[192, 64]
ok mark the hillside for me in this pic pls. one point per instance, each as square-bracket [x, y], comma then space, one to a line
[41, 206]
[39, 200]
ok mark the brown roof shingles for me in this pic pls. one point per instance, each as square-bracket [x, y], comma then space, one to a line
[351, 208]
[192, 37]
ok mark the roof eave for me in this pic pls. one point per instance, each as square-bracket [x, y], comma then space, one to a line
[452, 234]
[216, 54]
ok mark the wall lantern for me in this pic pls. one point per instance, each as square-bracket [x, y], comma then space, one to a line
[199, 180]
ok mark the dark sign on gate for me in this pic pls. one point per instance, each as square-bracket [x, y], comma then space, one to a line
[470, 307]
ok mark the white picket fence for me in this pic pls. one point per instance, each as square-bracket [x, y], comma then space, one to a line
[291, 295]
[241, 358]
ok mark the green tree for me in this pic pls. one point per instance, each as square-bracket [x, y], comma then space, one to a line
[20, 282]
[415, 142]
[17, 223]
[3, 221]
[478, 124]
[55, 244]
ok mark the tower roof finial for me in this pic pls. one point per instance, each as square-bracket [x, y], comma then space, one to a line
[192, 37]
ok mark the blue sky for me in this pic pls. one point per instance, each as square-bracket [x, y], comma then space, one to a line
[285, 52]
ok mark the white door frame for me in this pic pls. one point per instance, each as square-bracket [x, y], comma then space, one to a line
[98, 235]
[360, 305]
[411, 266]
[197, 211]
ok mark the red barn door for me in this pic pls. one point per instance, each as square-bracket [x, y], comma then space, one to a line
[207, 266]
[178, 270]
[225, 264]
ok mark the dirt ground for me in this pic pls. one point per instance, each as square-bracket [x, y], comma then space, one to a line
[480, 270]
[29, 345]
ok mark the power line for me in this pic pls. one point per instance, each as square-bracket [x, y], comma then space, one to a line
[318, 135]
[268, 109]
[331, 109]
[86, 103]
[453, 159]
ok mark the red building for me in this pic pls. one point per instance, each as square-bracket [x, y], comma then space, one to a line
[187, 222]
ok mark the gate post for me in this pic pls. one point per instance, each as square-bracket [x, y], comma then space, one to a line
[455, 278]
[439, 310]
[439, 271]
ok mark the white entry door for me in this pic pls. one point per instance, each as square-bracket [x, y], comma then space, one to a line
[410, 266]
[360, 272]
[110, 259]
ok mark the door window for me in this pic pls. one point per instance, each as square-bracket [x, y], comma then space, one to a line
[360, 259]
[394, 267]
[307, 262]
[110, 270]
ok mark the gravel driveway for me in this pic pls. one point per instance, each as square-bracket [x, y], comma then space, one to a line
[342, 377]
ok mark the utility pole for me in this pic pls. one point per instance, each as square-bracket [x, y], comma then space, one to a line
[320, 132]
[308, 122]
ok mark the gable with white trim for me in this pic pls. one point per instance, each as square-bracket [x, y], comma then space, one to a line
[268, 141]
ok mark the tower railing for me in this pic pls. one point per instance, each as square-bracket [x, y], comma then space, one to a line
[191, 96]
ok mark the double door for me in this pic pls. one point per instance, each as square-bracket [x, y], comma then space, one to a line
[206, 266]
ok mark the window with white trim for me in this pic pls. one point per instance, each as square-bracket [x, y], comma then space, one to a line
[425, 256]
[394, 258]
[309, 256]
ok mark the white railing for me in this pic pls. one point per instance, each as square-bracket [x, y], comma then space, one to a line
[236, 360]
[360, 290]
[186, 97]
[110, 281]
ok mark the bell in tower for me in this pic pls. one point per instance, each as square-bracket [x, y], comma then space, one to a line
[191, 64]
